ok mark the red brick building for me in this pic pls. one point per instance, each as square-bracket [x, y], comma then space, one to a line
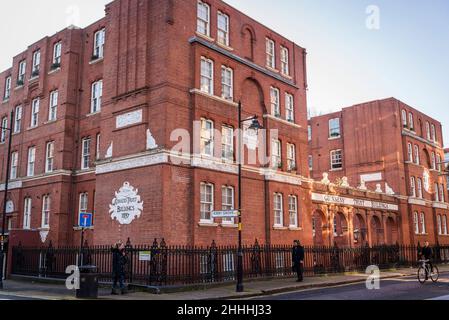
[390, 148]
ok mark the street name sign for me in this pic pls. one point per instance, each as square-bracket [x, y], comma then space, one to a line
[225, 214]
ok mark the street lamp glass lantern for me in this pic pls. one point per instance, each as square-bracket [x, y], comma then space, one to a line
[255, 126]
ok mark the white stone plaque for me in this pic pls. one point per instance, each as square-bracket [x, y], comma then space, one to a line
[129, 118]
[127, 205]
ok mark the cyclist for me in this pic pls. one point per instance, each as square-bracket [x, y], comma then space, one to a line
[426, 253]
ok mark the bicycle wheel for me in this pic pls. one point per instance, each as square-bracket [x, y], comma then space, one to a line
[421, 275]
[434, 274]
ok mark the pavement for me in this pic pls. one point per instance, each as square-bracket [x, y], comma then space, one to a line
[253, 289]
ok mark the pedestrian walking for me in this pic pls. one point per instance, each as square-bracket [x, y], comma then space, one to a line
[298, 259]
[119, 262]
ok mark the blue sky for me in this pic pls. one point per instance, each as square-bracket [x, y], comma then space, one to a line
[407, 57]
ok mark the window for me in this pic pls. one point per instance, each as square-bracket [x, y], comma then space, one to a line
[53, 110]
[275, 102]
[411, 122]
[442, 198]
[285, 61]
[206, 202]
[49, 154]
[413, 187]
[271, 58]
[416, 222]
[410, 152]
[207, 137]
[293, 211]
[309, 133]
[83, 202]
[223, 29]
[439, 161]
[404, 118]
[227, 83]
[227, 202]
[18, 119]
[334, 128]
[97, 148]
[57, 49]
[444, 225]
[36, 63]
[428, 130]
[45, 211]
[14, 164]
[417, 158]
[4, 128]
[291, 157]
[22, 71]
[85, 154]
[31, 161]
[437, 194]
[336, 159]
[289, 107]
[433, 161]
[278, 210]
[423, 223]
[7, 88]
[433, 133]
[97, 92]
[310, 162]
[27, 214]
[227, 143]
[335, 227]
[99, 44]
[203, 18]
[439, 224]
[276, 157]
[207, 75]
[35, 112]
[420, 193]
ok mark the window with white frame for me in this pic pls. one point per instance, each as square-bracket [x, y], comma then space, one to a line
[428, 130]
[99, 38]
[97, 92]
[227, 202]
[442, 197]
[433, 161]
[31, 161]
[411, 122]
[4, 129]
[433, 133]
[223, 28]
[293, 211]
[27, 213]
[420, 192]
[22, 71]
[97, 146]
[275, 102]
[416, 222]
[310, 162]
[423, 223]
[285, 68]
[410, 152]
[84, 198]
[334, 128]
[207, 137]
[417, 157]
[444, 224]
[36, 63]
[278, 210]
[227, 83]
[291, 156]
[35, 104]
[439, 161]
[18, 119]
[289, 107]
[270, 52]
[404, 118]
[439, 226]
[49, 156]
[85, 153]
[336, 159]
[53, 107]
[206, 202]
[413, 187]
[7, 88]
[207, 75]
[45, 212]
[14, 165]
[437, 193]
[309, 133]
[203, 18]
[276, 157]
[57, 50]
[227, 143]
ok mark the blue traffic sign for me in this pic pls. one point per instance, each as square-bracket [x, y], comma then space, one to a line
[85, 220]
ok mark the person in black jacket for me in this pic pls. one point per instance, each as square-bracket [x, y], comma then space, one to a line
[119, 261]
[427, 253]
[298, 259]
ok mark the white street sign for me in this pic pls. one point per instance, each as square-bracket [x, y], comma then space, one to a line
[225, 214]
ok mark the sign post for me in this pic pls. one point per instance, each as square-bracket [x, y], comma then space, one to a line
[84, 222]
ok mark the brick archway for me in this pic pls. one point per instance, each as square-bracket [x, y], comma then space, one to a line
[391, 231]
[360, 230]
[318, 227]
[376, 231]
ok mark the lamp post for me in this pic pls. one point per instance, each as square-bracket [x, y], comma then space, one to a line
[255, 125]
[2, 240]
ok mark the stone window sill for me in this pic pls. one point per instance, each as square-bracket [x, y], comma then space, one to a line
[224, 46]
[292, 228]
[205, 36]
[207, 224]
[229, 225]
[96, 61]
[54, 71]
[93, 113]
[279, 228]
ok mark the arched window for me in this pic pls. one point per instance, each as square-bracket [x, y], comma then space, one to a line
[437, 194]
[434, 161]
[410, 152]
[404, 118]
[413, 187]
[416, 222]
[439, 224]
[428, 130]
[444, 225]
[420, 193]
[423, 223]
[434, 137]
[417, 159]
[442, 193]
[411, 122]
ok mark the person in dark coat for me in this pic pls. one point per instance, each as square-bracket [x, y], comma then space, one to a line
[119, 262]
[298, 259]
[427, 253]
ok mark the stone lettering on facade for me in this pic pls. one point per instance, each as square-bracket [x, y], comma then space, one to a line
[126, 206]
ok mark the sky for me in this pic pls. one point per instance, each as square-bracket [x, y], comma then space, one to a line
[358, 50]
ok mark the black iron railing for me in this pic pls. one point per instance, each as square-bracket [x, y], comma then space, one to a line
[182, 265]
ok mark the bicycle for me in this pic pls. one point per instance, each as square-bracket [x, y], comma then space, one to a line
[423, 270]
